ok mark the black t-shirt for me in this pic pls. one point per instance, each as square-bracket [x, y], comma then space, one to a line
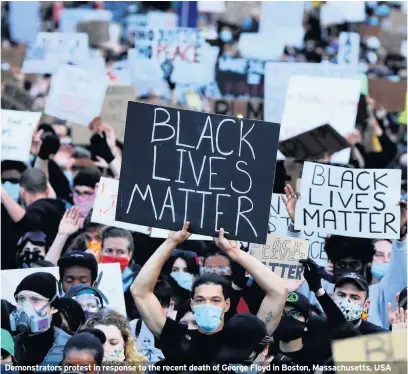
[179, 344]
[366, 328]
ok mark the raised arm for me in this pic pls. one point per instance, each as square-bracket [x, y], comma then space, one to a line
[148, 305]
[273, 303]
[16, 211]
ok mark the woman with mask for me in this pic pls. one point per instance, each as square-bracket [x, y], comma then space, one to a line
[31, 248]
[120, 345]
[38, 342]
[183, 268]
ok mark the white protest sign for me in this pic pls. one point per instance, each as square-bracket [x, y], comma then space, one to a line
[313, 101]
[338, 12]
[120, 72]
[282, 255]
[157, 19]
[53, 49]
[276, 14]
[69, 18]
[279, 221]
[211, 6]
[258, 46]
[24, 20]
[17, 129]
[277, 75]
[349, 48]
[104, 208]
[110, 285]
[76, 95]
[162, 233]
[360, 203]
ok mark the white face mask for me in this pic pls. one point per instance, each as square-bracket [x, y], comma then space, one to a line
[350, 310]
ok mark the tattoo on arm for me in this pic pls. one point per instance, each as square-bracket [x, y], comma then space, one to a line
[270, 317]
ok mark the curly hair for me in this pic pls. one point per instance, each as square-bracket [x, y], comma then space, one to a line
[108, 317]
[340, 247]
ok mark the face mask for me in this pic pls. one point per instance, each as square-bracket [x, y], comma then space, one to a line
[95, 246]
[118, 354]
[350, 310]
[226, 36]
[27, 319]
[28, 259]
[123, 261]
[208, 317]
[289, 329]
[88, 314]
[13, 189]
[382, 10]
[372, 57]
[85, 203]
[183, 279]
[379, 269]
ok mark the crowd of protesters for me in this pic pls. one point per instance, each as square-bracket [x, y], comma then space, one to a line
[188, 302]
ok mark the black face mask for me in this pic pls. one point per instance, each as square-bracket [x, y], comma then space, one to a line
[28, 259]
[289, 329]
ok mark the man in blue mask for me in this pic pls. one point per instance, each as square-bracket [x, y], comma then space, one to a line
[210, 301]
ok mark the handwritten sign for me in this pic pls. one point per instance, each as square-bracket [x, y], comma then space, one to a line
[249, 108]
[70, 17]
[279, 221]
[105, 207]
[115, 106]
[338, 12]
[358, 203]
[97, 31]
[214, 171]
[383, 352]
[282, 255]
[313, 101]
[76, 95]
[349, 48]
[17, 129]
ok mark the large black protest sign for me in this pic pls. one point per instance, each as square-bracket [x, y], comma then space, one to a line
[314, 144]
[240, 77]
[214, 171]
[359, 203]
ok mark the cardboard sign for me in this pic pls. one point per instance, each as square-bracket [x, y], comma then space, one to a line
[338, 12]
[181, 43]
[383, 352]
[251, 109]
[282, 255]
[97, 31]
[314, 144]
[239, 77]
[278, 74]
[211, 170]
[115, 106]
[53, 49]
[311, 101]
[279, 221]
[358, 203]
[164, 234]
[349, 48]
[70, 17]
[105, 207]
[13, 55]
[76, 95]
[111, 283]
[15, 98]
[26, 31]
[389, 94]
[16, 134]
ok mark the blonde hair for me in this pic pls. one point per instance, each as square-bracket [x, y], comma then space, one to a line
[108, 317]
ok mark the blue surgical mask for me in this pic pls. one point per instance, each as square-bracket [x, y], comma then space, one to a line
[183, 279]
[382, 10]
[208, 317]
[226, 36]
[13, 189]
[379, 269]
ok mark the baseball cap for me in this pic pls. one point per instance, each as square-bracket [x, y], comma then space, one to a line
[7, 342]
[299, 302]
[355, 278]
[78, 258]
[242, 334]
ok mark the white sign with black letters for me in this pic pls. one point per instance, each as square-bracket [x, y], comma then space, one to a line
[349, 48]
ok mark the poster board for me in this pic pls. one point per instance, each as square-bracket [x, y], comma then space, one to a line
[389, 94]
[361, 203]
[104, 207]
[164, 234]
[349, 48]
[282, 255]
[110, 284]
[70, 17]
[240, 77]
[76, 95]
[280, 14]
[249, 108]
[278, 74]
[314, 144]
[211, 6]
[258, 46]
[115, 105]
[339, 12]
[312, 101]
[17, 129]
[26, 31]
[15, 98]
[13, 55]
[204, 168]
[97, 31]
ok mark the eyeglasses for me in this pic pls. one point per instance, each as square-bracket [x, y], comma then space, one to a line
[293, 313]
[33, 300]
[219, 270]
